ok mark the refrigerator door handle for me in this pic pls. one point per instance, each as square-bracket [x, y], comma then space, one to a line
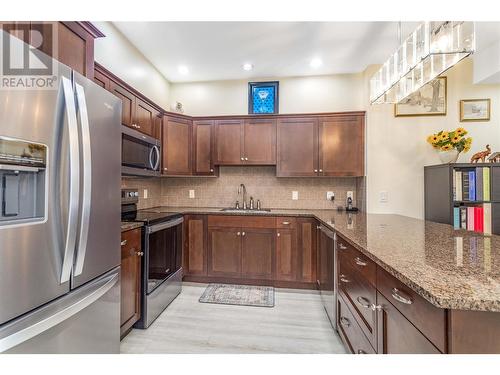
[87, 179]
[74, 188]
[26, 328]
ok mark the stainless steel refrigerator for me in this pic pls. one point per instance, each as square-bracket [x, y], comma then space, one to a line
[60, 152]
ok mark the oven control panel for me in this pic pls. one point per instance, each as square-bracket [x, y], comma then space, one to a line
[130, 196]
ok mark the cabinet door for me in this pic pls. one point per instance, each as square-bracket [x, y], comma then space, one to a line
[128, 104]
[259, 141]
[102, 80]
[176, 146]
[158, 125]
[195, 255]
[341, 146]
[224, 252]
[257, 254]
[306, 242]
[286, 255]
[396, 335]
[228, 142]
[145, 116]
[202, 147]
[130, 307]
[297, 151]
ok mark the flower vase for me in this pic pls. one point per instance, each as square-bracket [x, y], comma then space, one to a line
[449, 156]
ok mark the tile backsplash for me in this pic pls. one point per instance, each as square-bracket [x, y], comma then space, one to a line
[261, 183]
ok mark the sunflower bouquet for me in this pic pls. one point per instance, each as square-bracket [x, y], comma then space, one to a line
[449, 140]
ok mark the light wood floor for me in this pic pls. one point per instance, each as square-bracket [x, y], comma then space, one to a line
[296, 324]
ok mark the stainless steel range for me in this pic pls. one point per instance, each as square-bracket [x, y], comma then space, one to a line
[162, 244]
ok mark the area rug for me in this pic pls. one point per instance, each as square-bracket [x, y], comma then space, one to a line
[245, 295]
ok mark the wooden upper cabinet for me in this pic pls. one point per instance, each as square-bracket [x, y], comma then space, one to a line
[224, 252]
[128, 103]
[102, 80]
[341, 146]
[176, 146]
[257, 253]
[203, 139]
[158, 125]
[297, 147]
[259, 141]
[145, 116]
[228, 143]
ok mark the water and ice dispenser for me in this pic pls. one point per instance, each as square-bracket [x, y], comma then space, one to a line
[23, 166]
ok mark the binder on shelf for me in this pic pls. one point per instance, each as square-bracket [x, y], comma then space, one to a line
[465, 186]
[479, 183]
[486, 184]
[470, 218]
[463, 217]
[472, 185]
[458, 185]
[487, 218]
[456, 217]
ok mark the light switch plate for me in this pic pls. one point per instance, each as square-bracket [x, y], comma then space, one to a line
[350, 194]
[295, 195]
[145, 193]
[384, 197]
[191, 193]
[330, 195]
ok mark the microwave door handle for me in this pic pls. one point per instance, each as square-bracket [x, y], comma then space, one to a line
[87, 179]
[151, 165]
[74, 180]
[157, 151]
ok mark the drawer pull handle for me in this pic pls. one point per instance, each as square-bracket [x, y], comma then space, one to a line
[361, 351]
[360, 262]
[364, 302]
[344, 279]
[342, 246]
[286, 223]
[123, 243]
[398, 296]
[344, 321]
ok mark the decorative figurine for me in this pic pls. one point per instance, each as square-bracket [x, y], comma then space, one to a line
[494, 158]
[481, 155]
[178, 107]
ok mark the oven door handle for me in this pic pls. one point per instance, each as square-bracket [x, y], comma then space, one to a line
[162, 226]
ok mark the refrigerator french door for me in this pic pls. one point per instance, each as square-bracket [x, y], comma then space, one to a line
[60, 233]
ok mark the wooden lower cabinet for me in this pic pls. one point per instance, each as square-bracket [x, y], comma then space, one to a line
[131, 257]
[306, 249]
[286, 255]
[350, 331]
[224, 252]
[257, 253]
[195, 245]
[397, 335]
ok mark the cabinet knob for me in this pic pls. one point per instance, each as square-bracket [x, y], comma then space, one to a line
[315, 171]
[243, 233]
[321, 170]
[123, 243]
[344, 321]
[165, 169]
[242, 158]
[211, 169]
[238, 233]
[279, 234]
[246, 158]
[140, 253]
[285, 223]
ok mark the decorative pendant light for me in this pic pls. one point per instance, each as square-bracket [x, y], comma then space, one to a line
[430, 50]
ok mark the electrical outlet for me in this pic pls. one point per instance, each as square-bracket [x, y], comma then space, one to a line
[295, 195]
[330, 196]
[145, 193]
[384, 197]
[191, 194]
[350, 194]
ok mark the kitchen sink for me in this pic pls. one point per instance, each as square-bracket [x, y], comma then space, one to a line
[247, 211]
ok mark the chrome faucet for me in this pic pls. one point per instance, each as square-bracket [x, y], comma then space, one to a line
[243, 189]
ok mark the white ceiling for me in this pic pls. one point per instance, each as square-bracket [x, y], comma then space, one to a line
[217, 50]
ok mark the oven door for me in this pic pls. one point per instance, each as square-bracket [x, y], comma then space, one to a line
[140, 154]
[163, 253]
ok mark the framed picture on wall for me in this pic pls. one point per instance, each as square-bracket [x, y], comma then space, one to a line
[475, 110]
[263, 97]
[429, 100]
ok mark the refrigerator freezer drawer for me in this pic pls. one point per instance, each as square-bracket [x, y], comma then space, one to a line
[86, 320]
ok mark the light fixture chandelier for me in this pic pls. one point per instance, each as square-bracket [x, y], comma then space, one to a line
[431, 49]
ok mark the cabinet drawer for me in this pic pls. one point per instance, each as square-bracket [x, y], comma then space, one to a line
[361, 296]
[131, 241]
[358, 261]
[240, 221]
[286, 222]
[350, 330]
[429, 319]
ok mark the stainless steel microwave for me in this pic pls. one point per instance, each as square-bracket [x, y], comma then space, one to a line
[140, 154]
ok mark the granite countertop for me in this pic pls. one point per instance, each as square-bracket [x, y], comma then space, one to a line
[450, 268]
[129, 225]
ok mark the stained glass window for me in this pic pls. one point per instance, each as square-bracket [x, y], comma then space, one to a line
[263, 97]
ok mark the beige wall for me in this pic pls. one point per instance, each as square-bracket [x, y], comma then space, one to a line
[297, 95]
[117, 54]
[397, 151]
